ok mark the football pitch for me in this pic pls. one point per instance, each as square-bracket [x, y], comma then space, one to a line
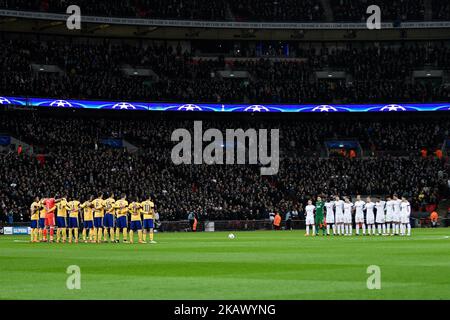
[254, 265]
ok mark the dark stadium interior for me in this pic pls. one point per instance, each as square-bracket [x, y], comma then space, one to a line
[40, 58]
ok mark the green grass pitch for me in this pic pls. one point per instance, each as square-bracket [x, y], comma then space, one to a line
[255, 265]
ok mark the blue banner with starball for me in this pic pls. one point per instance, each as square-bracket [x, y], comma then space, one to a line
[216, 107]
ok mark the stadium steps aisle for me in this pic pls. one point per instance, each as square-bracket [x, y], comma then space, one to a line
[328, 12]
[428, 10]
[129, 146]
[28, 149]
[229, 16]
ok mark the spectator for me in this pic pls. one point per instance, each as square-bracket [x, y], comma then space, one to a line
[277, 221]
[434, 219]
[11, 217]
[289, 220]
[191, 219]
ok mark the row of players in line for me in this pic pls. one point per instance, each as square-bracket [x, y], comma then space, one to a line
[392, 216]
[101, 218]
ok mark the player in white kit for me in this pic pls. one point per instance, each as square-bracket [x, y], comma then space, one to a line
[380, 217]
[348, 216]
[310, 218]
[390, 216]
[359, 215]
[329, 217]
[405, 212]
[396, 216]
[339, 215]
[370, 216]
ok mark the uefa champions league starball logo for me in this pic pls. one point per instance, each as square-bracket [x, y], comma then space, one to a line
[123, 106]
[393, 107]
[4, 101]
[256, 108]
[61, 104]
[324, 108]
[189, 107]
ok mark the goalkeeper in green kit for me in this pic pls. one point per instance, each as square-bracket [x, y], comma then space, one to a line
[319, 217]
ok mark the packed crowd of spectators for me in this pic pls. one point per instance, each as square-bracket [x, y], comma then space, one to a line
[247, 10]
[277, 10]
[153, 9]
[441, 10]
[93, 70]
[76, 163]
[392, 10]
[264, 10]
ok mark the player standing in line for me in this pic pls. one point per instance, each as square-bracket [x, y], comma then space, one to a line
[339, 218]
[359, 215]
[108, 221]
[136, 223]
[73, 207]
[329, 205]
[88, 221]
[61, 219]
[148, 210]
[380, 217]
[370, 216]
[34, 212]
[121, 206]
[319, 216]
[404, 219]
[309, 209]
[42, 214]
[99, 205]
[397, 214]
[389, 216]
[348, 205]
[50, 208]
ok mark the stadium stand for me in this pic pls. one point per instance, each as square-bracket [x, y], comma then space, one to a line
[245, 10]
[280, 10]
[441, 10]
[391, 10]
[69, 155]
[73, 159]
[165, 9]
[92, 69]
